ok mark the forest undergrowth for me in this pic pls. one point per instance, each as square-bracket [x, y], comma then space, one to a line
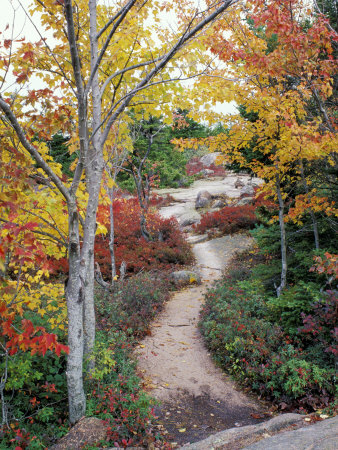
[35, 395]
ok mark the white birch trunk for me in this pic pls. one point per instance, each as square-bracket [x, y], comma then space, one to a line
[74, 297]
[112, 237]
[94, 168]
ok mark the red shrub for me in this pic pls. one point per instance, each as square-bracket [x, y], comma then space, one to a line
[168, 247]
[159, 201]
[195, 166]
[227, 220]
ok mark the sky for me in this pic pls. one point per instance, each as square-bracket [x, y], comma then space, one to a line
[13, 14]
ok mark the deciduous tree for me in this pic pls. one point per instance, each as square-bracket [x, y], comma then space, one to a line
[106, 58]
[280, 53]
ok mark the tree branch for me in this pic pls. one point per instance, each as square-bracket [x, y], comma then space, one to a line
[126, 69]
[187, 35]
[120, 19]
[82, 101]
[32, 150]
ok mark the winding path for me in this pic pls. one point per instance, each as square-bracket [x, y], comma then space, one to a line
[197, 398]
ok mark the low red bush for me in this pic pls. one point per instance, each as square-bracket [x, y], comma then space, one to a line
[167, 248]
[227, 220]
[195, 166]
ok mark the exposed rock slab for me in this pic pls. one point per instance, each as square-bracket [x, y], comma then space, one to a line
[185, 277]
[234, 437]
[248, 190]
[185, 198]
[88, 431]
[189, 217]
[203, 199]
[209, 158]
[321, 436]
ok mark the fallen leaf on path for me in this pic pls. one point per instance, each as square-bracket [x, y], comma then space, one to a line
[182, 430]
[257, 416]
[141, 346]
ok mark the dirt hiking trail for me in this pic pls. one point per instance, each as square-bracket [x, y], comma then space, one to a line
[196, 398]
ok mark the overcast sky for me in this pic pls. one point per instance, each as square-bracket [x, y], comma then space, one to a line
[12, 12]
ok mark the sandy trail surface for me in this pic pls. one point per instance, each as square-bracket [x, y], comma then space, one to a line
[197, 398]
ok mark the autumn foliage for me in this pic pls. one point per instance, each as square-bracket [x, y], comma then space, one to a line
[268, 343]
[194, 167]
[227, 220]
[21, 335]
[231, 219]
[166, 250]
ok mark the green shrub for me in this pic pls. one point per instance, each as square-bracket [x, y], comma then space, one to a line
[134, 303]
[116, 391]
[116, 395]
[257, 351]
[300, 253]
[288, 308]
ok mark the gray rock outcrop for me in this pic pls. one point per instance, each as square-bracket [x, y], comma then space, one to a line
[209, 159]
[189, 218]
[207, 172]
[320, 436]
[244, 201]
[184, 277]
[239, 183]
[88, 431]
[247, 191]
[203, 199]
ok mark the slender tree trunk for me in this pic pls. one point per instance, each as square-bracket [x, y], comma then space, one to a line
[313, 217]
[74, 297]
[112, 237]
[282, 235]
[143, 225]
[143, 200]
[94, 168]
